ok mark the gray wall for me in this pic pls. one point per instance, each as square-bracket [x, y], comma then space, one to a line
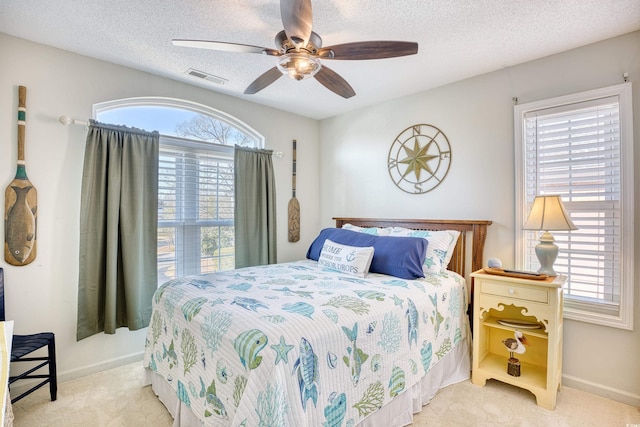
[477, 116]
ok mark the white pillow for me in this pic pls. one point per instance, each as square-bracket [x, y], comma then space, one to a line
[376, 231]
[439, 249]
[454, 240]
[353, 260]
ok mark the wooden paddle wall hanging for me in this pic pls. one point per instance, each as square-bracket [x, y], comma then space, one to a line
[294, 206]
[20, 202]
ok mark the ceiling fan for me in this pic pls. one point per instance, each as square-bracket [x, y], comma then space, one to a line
[299, 51]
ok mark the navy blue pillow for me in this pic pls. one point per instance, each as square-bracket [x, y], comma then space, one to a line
[396, 256]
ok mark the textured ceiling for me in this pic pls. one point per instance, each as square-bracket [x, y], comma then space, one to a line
[457, 39]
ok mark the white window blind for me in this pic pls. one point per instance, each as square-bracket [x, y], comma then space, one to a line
[574, 150]
[195, 208]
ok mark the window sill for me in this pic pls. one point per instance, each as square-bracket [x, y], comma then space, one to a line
[598, 314]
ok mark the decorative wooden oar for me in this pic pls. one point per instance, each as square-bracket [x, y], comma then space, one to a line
[20, 202]
[294, 206]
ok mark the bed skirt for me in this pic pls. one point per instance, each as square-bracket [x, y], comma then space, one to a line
[453, 368]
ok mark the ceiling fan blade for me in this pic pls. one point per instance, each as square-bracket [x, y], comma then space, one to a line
[369, 50]
[332, 81]
[224, 46]
[263, 81]
[297, 20]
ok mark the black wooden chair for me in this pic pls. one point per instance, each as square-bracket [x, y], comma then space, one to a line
[23, 346]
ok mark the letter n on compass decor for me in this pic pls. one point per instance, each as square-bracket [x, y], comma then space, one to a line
[419, 159]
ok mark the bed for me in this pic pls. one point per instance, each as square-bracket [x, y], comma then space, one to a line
[307, 344]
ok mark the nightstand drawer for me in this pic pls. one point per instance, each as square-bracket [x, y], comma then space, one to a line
[519, 292]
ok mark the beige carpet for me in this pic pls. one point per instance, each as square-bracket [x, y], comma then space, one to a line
[116, 398]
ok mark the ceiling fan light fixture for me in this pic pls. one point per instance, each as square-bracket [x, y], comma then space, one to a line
[298, 65]
[299, 51]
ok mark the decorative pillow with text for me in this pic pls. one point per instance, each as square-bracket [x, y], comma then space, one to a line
[352, 260]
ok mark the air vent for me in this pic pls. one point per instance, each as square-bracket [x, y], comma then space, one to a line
[206, 76]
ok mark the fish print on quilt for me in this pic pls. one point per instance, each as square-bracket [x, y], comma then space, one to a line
[296, 345]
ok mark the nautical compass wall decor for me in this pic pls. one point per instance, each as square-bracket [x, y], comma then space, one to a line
[419, 159]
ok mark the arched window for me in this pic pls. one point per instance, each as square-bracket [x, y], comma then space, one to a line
[196, 193]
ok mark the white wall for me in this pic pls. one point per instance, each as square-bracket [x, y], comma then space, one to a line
[477, 117]
[43, 295]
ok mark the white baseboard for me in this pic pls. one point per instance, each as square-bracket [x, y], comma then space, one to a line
[601, 390]
[73, 374]
[99, 367]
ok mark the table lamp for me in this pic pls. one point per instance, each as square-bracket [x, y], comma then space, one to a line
[548, 213]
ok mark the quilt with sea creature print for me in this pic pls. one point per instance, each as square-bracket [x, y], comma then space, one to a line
[294, 344]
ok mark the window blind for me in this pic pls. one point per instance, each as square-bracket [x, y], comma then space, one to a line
[573, 151]
[195, 208]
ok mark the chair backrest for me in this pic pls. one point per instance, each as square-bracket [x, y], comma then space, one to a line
[2, 319]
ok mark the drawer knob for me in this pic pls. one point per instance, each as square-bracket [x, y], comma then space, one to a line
[511, 291]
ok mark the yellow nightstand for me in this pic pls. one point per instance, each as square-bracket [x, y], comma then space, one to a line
[500, 300]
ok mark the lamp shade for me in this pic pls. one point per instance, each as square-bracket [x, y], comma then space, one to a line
[548, 213]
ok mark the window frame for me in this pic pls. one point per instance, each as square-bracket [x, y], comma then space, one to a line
[590, 312]
[184, 264]
[159, 101]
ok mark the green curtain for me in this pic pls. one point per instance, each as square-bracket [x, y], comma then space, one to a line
[255, 207]
[118, 229]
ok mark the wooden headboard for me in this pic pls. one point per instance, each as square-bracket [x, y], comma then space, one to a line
[473, 230]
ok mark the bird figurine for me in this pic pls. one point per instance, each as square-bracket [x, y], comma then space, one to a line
[515, 345]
